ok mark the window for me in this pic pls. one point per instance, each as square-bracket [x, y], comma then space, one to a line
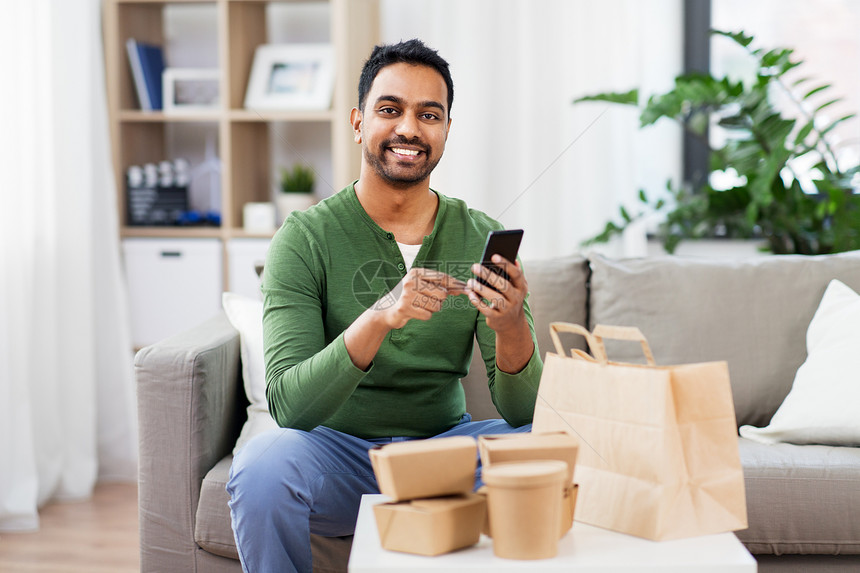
[823, 34]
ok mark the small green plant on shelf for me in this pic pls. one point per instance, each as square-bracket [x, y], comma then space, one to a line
[761, 157]
[297, 179]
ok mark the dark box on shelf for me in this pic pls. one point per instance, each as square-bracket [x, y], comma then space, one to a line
[156, 205]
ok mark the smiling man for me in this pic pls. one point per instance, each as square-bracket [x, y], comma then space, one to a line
[371, 308]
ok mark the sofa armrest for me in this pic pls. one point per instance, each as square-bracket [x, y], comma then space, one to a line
[188, 394]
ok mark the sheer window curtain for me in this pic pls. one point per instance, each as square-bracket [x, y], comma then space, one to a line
[518, 148]
[67, 415]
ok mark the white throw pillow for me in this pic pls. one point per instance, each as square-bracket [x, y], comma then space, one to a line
[823, 406]
[246, 316]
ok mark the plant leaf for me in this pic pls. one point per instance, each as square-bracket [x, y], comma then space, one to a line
[775, 129]
[666, 105]
[752, 213]
[739, 37]
[779, 58]
[830, 127]
[827, 104]
[735, 122]
[814, 91]
[625, 98]
[744, 156]
[803, 133]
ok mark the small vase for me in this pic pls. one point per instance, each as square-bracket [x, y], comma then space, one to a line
[289, 202]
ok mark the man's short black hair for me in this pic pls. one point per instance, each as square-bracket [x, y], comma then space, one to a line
[409, 52]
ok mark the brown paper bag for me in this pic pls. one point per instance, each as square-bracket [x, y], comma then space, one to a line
[658, 451]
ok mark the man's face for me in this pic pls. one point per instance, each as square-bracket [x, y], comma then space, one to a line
[405, 123]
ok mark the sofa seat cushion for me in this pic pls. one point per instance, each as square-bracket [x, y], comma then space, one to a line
[213, 532]
[753, 312]
[801, 499]
[212, 529]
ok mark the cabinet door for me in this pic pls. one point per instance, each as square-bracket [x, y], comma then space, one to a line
[245, 256]
[173, 284]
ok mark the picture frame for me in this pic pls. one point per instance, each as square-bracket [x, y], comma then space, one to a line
[291, 77]
[190, 90]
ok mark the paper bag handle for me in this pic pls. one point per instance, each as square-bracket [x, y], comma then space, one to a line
[594, 345]
[631, 333]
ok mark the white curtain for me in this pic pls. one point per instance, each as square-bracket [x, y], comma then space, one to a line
[67, 415]
[518, 148]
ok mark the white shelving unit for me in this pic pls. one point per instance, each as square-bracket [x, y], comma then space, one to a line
[250, 145]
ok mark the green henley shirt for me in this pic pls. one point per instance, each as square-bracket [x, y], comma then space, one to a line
[329, 264]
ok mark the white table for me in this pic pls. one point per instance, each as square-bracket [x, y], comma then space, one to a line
[585, 549]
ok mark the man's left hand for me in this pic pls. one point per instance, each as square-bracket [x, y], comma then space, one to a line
[503, 303]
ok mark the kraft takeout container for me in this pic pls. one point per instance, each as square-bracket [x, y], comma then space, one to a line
[568, 507]
[500, 448]
[524, 501]
[431, 526]
[425, 468]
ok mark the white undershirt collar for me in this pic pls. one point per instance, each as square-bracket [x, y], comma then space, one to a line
[409, 252]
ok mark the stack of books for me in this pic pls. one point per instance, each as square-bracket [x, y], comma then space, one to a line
[147, 65]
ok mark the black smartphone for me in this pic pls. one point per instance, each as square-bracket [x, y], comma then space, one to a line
[505, 243]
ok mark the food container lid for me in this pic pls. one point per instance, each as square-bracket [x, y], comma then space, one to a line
[535, 473]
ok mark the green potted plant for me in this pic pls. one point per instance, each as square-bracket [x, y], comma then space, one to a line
[760, 156]
[295, 190]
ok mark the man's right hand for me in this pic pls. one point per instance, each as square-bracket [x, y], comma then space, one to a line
[418, 295]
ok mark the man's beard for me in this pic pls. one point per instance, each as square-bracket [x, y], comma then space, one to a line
[388, 171]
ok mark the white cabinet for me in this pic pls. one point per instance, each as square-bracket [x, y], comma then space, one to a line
[173, 284]
[245, 256]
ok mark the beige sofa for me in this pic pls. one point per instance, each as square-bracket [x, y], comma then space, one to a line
[803, 501]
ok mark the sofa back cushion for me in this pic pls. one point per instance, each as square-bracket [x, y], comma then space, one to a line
[557, 292]
[753, 313]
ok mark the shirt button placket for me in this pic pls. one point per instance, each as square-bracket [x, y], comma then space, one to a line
[396, 334]
[400, 266]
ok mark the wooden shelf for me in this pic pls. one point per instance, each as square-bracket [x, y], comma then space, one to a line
[268, 116]
[136, 115]
[173, 232]
[191, 232]
[170, 1]
[242, 234]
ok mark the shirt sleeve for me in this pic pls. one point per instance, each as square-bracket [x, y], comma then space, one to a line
[307, 379]
[514, 395]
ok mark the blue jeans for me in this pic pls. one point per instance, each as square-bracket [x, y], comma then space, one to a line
[285, 484]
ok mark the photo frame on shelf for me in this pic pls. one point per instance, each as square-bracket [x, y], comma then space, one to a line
[190, 90]
[291, 77]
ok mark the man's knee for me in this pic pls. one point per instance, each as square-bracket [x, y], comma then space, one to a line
[268, 466]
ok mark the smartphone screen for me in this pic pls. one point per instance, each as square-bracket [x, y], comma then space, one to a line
[505, 243]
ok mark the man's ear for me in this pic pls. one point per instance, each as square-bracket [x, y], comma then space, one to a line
[448, 129]
[355, 118]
